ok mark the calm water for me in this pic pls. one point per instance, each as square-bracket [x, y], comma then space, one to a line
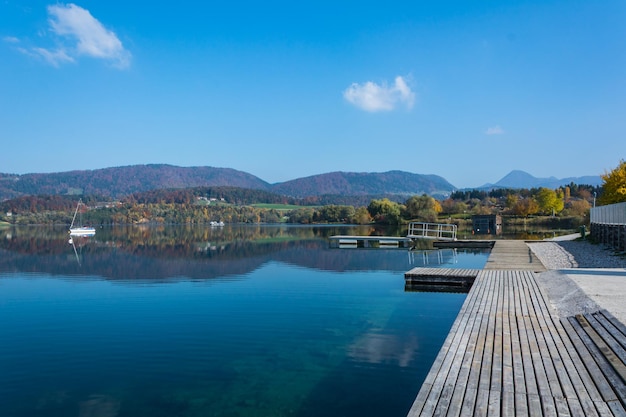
[234, 321]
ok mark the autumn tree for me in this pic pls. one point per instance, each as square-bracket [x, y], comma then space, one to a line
[362, 216]
[577, 208]
[525, 207]
[423, 208]
[385, 211]
[614, 186]
[511, 200]
[549, 201]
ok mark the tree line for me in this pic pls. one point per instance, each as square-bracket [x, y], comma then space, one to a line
[202, 205]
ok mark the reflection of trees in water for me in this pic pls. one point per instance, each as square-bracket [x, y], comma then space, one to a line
[158, 253]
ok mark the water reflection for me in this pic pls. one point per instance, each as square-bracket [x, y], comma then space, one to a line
[293, 327]
[380, 348]
[169, 253]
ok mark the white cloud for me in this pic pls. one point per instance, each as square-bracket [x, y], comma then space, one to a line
[54, 58]
[495, 130]
[77, 33]
[11, 39]
[373, 97]
[85, 35]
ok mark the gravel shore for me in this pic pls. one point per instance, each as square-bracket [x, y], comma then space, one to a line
[581, 290]
[576, 254]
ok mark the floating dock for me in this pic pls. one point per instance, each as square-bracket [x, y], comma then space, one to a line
[470, 244]
[343, 241]
[432, 278]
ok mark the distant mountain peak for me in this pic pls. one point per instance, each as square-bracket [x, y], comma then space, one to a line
[522, 179]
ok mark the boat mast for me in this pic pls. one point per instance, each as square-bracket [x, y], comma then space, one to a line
[76, 212]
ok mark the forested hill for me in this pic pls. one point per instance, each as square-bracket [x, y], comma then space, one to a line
[354, 183]
[124, 181]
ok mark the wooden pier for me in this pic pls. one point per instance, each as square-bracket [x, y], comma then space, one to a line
[513, 255]
[509, 354]
[346, 241]
[424, 279]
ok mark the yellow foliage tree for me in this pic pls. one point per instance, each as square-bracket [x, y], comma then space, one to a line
[614, 187]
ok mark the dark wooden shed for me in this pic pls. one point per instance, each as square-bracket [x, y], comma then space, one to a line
[487, 224]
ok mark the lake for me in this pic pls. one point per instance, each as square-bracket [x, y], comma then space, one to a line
[227, 321]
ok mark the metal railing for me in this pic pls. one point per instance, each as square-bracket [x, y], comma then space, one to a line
[609, 214]
[432, 231]
[433, 257]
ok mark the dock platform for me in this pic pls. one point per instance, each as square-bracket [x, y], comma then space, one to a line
[346, 241]
[424, 277]
[509, 354]
[513, 255]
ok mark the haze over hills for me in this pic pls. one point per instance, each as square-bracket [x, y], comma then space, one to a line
[121, 181]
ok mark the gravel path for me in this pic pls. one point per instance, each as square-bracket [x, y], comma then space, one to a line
[576, 254]
[571, 294]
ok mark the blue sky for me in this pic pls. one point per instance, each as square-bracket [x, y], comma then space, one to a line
[468, 90]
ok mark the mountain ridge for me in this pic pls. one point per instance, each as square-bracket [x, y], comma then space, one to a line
[115, 182]
[522, 179]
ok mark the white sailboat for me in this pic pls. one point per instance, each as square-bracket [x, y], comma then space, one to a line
[80, 230]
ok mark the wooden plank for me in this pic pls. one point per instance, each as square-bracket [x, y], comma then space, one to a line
[456, 402]
[482, 403]
[496, 382]
[548, 405]
[508, 375]
[494, 403]
[596, 384]
[583, 382]
[498, 325]
[616, 408]
[562, 407]
[555, 370]
[521, 405]
[611, 335]
[487, 359]
[606, 359]
[508, 404]
[571, 382]
[534, 405]
[519, 346]
[457, 353]
[582, 344]
[520, 339]
[427, 398]
[610, 347]
[544, 372]
[471, 396]
[621, 327]
[536, 380]
[577, 410]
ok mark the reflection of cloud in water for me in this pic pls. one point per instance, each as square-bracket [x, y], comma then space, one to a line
[380, 348]
[99, 405]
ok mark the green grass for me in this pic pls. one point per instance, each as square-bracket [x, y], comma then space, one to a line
[277, 206]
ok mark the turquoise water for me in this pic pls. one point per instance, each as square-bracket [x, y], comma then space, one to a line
[226, 322]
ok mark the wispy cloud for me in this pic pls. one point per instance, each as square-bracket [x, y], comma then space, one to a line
[10, 39]
[495, 130]
[55, 57]
[373, 97]
[77, 33]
